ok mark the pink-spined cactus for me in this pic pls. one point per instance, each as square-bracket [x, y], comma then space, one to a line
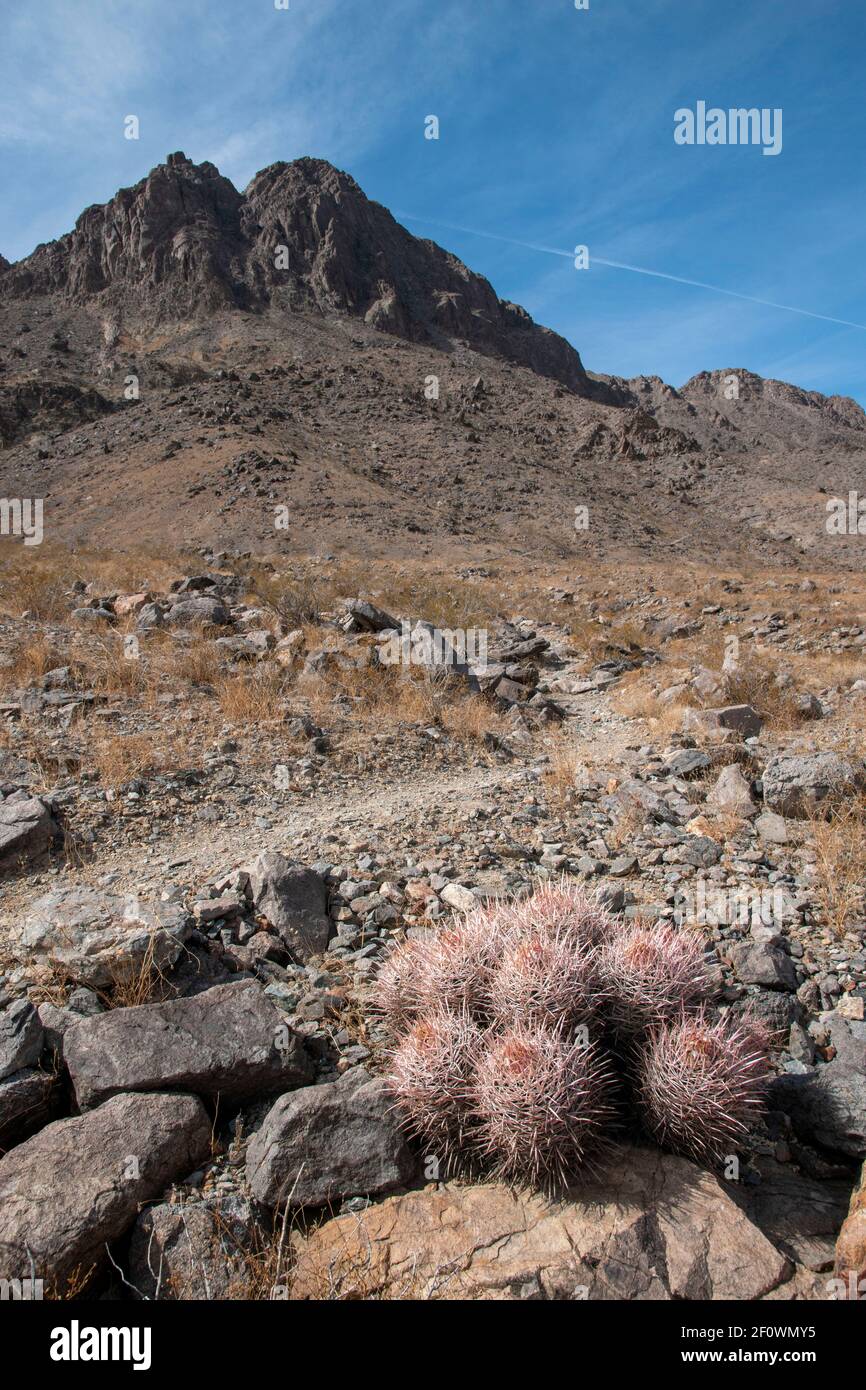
[429, 1078]
[542, 1102]
[701, 1082]
[560, 908]
[547, 978]
[399, 986]
[653, 972]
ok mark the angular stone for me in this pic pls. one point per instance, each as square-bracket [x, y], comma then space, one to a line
[654, 1226]
[229, 1041]
[369, 618]
[25, 1105]
[772, 828]
[100, 938]
[198, 1251]
[758, 964]
[458, 897]
[78, 1183]
[798, 784]
[827, 1106]
[294, 899]
[192, 612]
[27, 828]
[733, 793]
[20, 1037]
[328, 1142]
[688, 762]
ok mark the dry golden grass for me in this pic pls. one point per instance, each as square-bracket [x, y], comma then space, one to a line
[839, 842]
[118, 758]
[253, 697]
[562, 774]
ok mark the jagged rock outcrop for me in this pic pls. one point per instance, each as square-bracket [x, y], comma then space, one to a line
[174, 239]
[303, 236]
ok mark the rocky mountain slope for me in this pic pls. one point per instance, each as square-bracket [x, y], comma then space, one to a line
[209, 356]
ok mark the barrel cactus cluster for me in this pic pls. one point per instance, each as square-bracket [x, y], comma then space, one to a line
[526, 1037]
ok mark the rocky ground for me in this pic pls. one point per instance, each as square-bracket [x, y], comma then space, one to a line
[222, 804]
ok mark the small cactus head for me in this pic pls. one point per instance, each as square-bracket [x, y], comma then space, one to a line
[700, 1083]
[546, 978]
[564, 907]
[653, 972]
[429, 1079]
[448, 969]
[399, 987]
[542, 1102]
[458, 961]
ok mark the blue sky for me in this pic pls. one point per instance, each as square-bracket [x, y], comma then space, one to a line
[556, 129]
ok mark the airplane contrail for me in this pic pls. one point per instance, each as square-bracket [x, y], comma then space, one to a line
[634, 269]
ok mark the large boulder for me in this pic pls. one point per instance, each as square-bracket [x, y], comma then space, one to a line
[850, 1259]
[196, 611]
[193, 1252]
[78, 1184]
[327, 1142]
[799, 784]
[294, 899]
[229, 1041]
[827, 1106]
[100, 939]
[653, 1227]
[27, 828]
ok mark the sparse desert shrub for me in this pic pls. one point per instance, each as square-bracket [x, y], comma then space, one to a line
[653, 972]
[543, 1100]
[701, 1082]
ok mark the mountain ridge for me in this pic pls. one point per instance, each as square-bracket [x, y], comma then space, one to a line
[158, 363]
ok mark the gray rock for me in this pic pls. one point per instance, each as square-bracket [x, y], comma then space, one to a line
[101, 938]
[25, 1105]
[150, 616]
[193, 1252]
[756, 963]
[192, 612]
[733, 793]
[797, 784]
[20, 1037]
[827, 1106]
[294, 899]
[27, 828]
[772, 828]
[700, 851]
[229, 1041]
[688, 762]
[78, 1183]
[367, 617]
[327, 1142]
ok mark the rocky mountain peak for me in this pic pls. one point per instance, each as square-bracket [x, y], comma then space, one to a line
[302, 237]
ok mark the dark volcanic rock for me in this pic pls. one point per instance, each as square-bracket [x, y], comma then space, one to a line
[192, 1252]
[328, 1142]
[27, 827]
[79, 1183]
[228, 1041]
[294, 899]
